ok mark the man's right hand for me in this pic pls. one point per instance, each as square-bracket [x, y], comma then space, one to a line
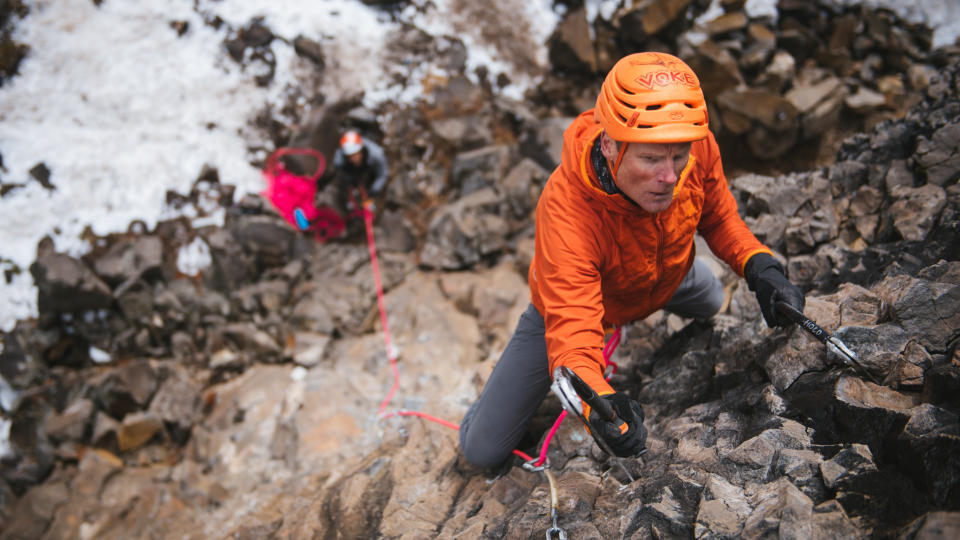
[765, 277]
[626, 435]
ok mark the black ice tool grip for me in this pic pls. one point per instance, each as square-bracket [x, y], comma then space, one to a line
[803, 321]
[590, 397]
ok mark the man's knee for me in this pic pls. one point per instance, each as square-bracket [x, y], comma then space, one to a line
[701, 294]
[479, 451]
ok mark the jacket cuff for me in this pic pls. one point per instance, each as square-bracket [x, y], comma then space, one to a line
[595, 379]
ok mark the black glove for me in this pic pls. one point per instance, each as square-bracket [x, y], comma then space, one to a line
[765, 277]
[624, 441]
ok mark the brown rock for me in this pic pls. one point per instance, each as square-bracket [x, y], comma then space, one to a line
[136, 429]
[728, 22]
[571, 47]
[660, 13]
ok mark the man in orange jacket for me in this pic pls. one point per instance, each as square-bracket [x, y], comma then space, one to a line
[640, 174]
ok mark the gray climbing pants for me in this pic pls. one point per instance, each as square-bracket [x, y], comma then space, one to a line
[494, 425]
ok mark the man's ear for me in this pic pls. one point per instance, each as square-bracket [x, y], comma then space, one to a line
[608, 146]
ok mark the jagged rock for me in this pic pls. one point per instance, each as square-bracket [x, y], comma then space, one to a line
[474, 170]
[927, 309]
[933, 525]
[658, 14]
[877, 347]
[545, 141]
[32, 514]
[230, 267]
[66, 284]
[307, 348]
[125, 389]
[756, 456]
[19, 367]
[467, 132]
[912, 363]
[716, 68]
[768, 195]
[465, 232]
[394, 232]
[521, 188]
[898, 175]
[140, 257]
[868, 413]
[779, 508]
[268, 239]
[728, 22]
[72, 423]
[850, 465]
[135, 300]
[136, 429]
[310, 50]
[939, 156]
[941, 385]
[723, 509]
[865, 100]
[177, 403]
[802, 467]
[250, 339]
[803, 234]
[928, 446]
[104, 431]
[915, 210]
[570, 47]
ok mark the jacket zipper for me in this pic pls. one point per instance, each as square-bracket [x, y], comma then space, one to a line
[659, 225]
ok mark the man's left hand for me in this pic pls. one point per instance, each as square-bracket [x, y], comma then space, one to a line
[765, 277]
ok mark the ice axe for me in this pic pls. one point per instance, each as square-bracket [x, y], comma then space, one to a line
[573, 393]
[833, 343]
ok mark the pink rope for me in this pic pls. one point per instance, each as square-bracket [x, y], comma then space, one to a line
[391, 355]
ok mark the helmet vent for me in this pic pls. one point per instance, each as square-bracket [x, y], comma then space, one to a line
[654, 107]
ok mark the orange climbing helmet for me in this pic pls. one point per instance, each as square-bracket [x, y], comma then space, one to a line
[652, 97]
[351, 143]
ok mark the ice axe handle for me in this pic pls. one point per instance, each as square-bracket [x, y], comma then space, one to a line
[803, 321]
[590, 397]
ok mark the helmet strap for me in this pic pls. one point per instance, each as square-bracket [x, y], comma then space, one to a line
[616, 164]
[614, 167]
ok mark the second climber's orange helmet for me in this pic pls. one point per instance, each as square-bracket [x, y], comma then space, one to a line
[351, 143]
[652, 97]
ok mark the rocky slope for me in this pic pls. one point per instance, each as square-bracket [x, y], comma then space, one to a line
[241, 402]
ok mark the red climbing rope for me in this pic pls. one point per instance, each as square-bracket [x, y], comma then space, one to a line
[391, 353]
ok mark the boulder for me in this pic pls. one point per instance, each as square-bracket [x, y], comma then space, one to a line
[139, 257]
[464, 233]
[570, 47]
[66, 284]
[939, 156]
[914, 211]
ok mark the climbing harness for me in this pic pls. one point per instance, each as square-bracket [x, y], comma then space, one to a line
[538, 464]
[834, 345]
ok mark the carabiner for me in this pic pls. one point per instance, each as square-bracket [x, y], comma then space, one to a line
[560, 535]
[530, 465]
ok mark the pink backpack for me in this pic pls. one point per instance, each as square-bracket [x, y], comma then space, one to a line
[293, 196]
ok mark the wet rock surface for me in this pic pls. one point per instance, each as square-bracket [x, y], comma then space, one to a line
[241, 401]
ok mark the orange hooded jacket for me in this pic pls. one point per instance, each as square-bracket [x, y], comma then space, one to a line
[601, 261]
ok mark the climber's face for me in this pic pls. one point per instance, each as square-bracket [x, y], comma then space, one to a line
[356, 158]
[648, 173]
